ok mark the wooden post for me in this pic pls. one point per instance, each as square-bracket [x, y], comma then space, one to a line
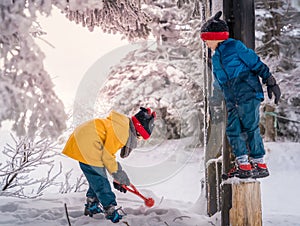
[240, 18]
[211, 188]
[226, 188]
[241, 202]
[213, 134]
[270, 130]
[246, 204]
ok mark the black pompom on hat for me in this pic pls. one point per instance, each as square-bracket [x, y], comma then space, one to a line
[143, 122]
[215, 28]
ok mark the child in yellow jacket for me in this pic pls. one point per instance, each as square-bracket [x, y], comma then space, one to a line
[95, 143]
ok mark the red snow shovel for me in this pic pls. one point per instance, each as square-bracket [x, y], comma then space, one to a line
[148, 201]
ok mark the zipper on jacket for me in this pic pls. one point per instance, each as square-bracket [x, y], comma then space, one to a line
[220, 59]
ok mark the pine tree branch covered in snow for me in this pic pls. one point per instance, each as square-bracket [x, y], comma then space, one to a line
[23, 159]
[278, 31]
[165, 74]
[123, 16]
[26, 90]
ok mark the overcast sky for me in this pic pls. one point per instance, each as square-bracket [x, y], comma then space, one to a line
[75, 50]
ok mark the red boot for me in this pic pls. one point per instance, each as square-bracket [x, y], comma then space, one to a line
[241, 171]
[260, 170]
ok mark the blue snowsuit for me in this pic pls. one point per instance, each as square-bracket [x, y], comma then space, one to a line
[236, 69]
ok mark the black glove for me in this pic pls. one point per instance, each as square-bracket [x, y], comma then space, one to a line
[272, 87]
[120, 176]
[119, 187]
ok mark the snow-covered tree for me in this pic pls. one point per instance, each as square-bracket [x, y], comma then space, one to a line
[277, 30]
[26, 91]
[278, 43]
[27, 94]
[165, 74]
[123, 16]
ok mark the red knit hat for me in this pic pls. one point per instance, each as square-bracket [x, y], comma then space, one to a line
[215, 29]
[143, 122]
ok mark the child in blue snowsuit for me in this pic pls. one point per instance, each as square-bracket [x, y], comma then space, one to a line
[237, 69]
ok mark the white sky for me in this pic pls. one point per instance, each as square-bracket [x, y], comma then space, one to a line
[76, 49]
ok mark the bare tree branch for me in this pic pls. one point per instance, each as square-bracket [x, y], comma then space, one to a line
[23, 158]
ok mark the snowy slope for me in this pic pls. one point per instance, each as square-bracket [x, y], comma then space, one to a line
[280, 198]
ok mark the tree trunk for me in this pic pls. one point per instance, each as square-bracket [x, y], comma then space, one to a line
[246, 204]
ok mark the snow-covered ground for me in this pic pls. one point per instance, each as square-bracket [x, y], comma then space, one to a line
[280, 191]
[175, 197]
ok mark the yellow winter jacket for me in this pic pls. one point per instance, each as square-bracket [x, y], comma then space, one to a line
[95, 142]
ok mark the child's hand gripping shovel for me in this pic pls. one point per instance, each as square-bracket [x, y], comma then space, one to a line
[148, 201]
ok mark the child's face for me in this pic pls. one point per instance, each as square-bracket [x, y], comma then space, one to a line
[212, 44]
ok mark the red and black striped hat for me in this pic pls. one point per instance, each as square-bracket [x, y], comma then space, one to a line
[143, 122]
[215, 28]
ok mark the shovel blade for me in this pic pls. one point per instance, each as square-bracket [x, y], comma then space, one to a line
[149, 202]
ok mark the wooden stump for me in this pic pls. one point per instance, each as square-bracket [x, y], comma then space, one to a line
[246, 204]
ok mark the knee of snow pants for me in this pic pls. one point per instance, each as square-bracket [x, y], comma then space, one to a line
[98, 184]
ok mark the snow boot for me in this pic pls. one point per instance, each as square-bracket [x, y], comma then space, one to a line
[241, 171]
[113, 214]
[92, 206]
[259, 170]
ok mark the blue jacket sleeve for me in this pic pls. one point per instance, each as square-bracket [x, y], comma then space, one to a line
[253, 62]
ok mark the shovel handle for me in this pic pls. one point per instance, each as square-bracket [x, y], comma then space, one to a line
[131, 188]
